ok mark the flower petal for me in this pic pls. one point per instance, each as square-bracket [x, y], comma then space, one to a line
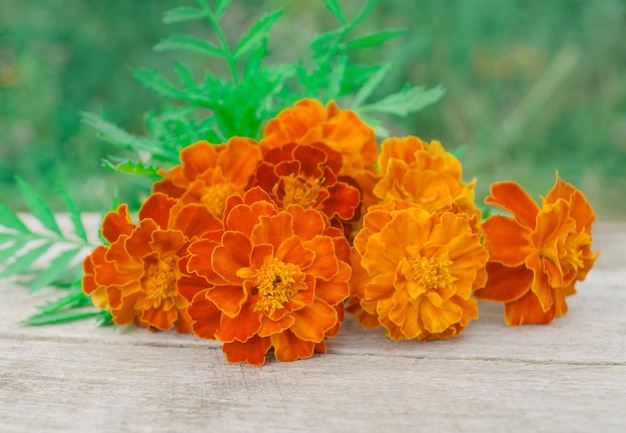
[507, 241]
[527, 310]
[288, 347]
[313, 321]
[512, 198]
[505, 284]
[252, 351]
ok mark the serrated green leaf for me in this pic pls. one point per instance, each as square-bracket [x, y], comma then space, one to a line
[326, 43]
[371, 85]
[184, 75]
[75, 299]
[23, 261]
[376, 125]
[38, 206]
[130, 167]
[374, 39]
[336, 76]
[221, 7]
[256, 33]
[10, 220]
[117, 136]
[154, 81]
[367, 9]
[56, 267]
[189, 43]
[11, 250]
[64, 316]
[183, 13]
[77, 222]
[334, 8]
[406, 101]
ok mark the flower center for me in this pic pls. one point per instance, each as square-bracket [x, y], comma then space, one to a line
[214, 197]
[424, 274]
[275, 283]
[301, 191]
[572, 254]
[160, 280]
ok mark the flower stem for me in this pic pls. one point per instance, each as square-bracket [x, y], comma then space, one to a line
[224, 44]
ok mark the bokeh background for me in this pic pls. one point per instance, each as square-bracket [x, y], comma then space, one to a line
[532, 86]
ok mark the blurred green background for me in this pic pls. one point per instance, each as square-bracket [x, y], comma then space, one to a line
[532, 86]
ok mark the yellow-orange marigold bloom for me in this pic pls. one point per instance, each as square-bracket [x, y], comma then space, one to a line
[536, 256]
[135, 276]
[307, 174]
[308, 121]
[276, 278]
[209, 173]
[422, 173]
[414, 271]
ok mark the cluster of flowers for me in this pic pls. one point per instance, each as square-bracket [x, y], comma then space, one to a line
[263, 246]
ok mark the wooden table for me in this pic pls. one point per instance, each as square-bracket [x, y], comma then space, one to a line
[568, 376]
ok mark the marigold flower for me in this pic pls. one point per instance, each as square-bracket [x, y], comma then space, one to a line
[425, 174]
[414, 271]
[276, 278]
[537, 255]
[306, 174]
[135, 276]
[209, 173]
[308, 121]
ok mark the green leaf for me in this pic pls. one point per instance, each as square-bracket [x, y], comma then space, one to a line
[11, 250]
[153, 80]
[10, 220]
[183, 13]
[184, 75]
[408, 100]
[374, 39]
[459, 151]
[22, 262]
[335, 9]
[371, 85]
[117, 136]
[221, 7]
[54, 269]
[367, 9]
[336, 77]
[74, 299]
[64, 316]
[77, 222]
[129, 167]
[189, 43]
[256, 33]
[38, 206]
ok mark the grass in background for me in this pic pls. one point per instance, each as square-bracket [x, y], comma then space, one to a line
[532, 86]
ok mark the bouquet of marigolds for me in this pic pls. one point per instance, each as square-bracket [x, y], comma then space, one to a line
[281, 211]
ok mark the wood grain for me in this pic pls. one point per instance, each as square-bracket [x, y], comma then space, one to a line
[569, 376]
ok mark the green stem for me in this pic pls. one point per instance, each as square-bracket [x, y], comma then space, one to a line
[222, 40]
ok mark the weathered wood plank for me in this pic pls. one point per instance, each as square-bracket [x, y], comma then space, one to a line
[568, 376]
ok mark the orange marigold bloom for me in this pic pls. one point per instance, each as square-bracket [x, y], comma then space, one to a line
[308, 121]
[414, 271]
[209, 173]
[536, 257]
[306, 174]
[276, 278]
[135, 276]
[425, 174]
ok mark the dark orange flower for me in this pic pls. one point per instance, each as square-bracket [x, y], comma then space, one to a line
[414, 271]
[308, 121]
[135, 276]
[306, 174]
[425, 174]
[536, 257]
[276, 278]
[209, 173]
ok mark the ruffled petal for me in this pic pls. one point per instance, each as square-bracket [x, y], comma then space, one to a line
[512, 198]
